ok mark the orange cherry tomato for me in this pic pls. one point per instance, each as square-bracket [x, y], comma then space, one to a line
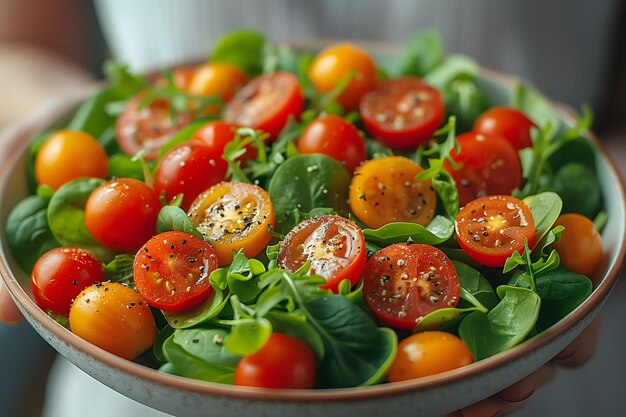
[217, 79]
[491, 228]
[580, 247]
[233, 216]
[115, 318]
[335, 63]
[68, 155]
[507, 122]
[384, 190]
[428, 353]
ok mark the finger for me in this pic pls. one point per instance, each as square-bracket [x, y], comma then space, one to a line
[580, 350]
[9, 313]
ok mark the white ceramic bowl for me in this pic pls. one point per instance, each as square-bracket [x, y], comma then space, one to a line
[434, 395]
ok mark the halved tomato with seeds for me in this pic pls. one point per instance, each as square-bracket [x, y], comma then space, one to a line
[490, 229]
[403, 283]
[385, 190]
[234, 216]
[334, 245]
[172, 269]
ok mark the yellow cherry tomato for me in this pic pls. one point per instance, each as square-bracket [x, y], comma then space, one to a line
[115, 318]
[68, 155]
[217, 79]
[580, 247]
[234, 216]
[428, 353]
[334, 63]
[385, 190]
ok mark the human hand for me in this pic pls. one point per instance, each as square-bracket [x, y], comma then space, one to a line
[514, 397]
[9, 314]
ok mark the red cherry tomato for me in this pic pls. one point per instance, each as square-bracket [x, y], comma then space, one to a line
[189, 169]
[60, 275]
[488, 165]
[334, 245]
[336, 137]
[217, 134]
[172, 269]
[147, 128]
[510, 123]
[283, 362]
[266, 103]
[403, 283]
[121, 214]
[402, 112]
[491, 228]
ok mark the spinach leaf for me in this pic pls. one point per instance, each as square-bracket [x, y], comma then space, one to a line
[66, 216]
[453, 68]
[505, 326]
[91, 116]
[200, 354]
[248, 335]
[123, 166]
[437, 231]
[175, 218]
[423, 52]
[546, 208]
[243, 48]
[440, 317]
[28, 233]
[295, 324]
[535, 106]
[579, 188]
[120, 269]
[205, 311]
[307, 182]
[466, 101]
[476, 285]
[182, 136]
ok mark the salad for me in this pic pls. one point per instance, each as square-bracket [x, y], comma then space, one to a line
[288, 219]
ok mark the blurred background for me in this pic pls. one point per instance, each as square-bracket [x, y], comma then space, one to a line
[572, 51]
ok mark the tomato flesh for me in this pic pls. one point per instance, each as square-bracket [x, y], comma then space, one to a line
[172, 270]
[403, 283]
[402, 112]
[490, 229]
[266, 103]
[333, 245]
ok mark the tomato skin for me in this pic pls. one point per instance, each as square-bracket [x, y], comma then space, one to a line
[490, 229]
[68, 155]
[189, 168]
[402, 283]
[334, 245]
[284, 362]
[115, 318]
[488, 165]
[121, 214]
[172, 270]
[384, 190]
[147, 128]
[336, 137]
[428, 353]
[580, 247]
[334, 63]
[402, 112]
[60, 275]
[266, 103]
[234, 216]
[507, 122]
[218, 79]
[217, 134]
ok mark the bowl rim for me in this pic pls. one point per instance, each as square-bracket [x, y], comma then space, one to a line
[18, 138]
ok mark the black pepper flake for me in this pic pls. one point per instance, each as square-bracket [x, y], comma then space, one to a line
[192, 260]
[195, 341]
[184, 242]
[74, 283]
[172, 246]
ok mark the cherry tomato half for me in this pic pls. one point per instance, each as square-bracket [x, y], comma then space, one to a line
[60, 275]
[172, 269]
[334, 245]
[488, 165]
[335, 63]
[491, 228]
[507, 122]
[189, 168]
[266, 103]
[234, 216]
[402, 112]
[217, 79]
[147, 128]
[121, 214]
[68, 155]
[283, 362]
[384, 190]
[580, 247]
[115, 318]
[428, 353]
[403, 283]
[336, 137]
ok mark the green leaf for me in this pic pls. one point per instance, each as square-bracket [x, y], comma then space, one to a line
[182, 136]
[437, 231]
[248, 335]
[545, 208]
[423, 52]
[120, 269]
[295, 324]
[472, 281]
[243, 48]
[579, 188]
[202, 313]
[535, 106]
[454, 67]
[123, 166]
[440, 317]
[175, 218]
